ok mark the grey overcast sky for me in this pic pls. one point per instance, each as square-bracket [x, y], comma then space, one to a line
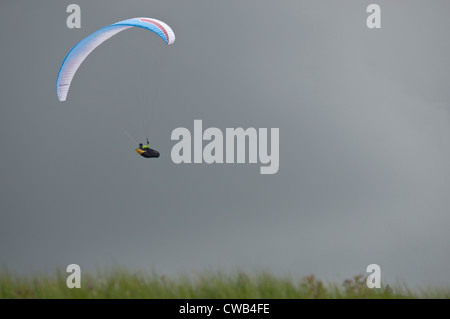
[364, 139]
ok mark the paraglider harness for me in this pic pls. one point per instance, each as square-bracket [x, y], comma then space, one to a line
[146, 151]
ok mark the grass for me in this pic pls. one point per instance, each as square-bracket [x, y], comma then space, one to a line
[119, 283]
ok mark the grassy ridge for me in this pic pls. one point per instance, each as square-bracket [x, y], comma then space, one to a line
[121, 284]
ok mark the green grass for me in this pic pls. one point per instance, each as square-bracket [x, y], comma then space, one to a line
[120, 284]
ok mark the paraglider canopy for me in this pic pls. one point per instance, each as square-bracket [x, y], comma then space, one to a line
[80, 51]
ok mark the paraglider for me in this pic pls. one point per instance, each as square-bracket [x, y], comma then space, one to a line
[81, 51]
[146, 151]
